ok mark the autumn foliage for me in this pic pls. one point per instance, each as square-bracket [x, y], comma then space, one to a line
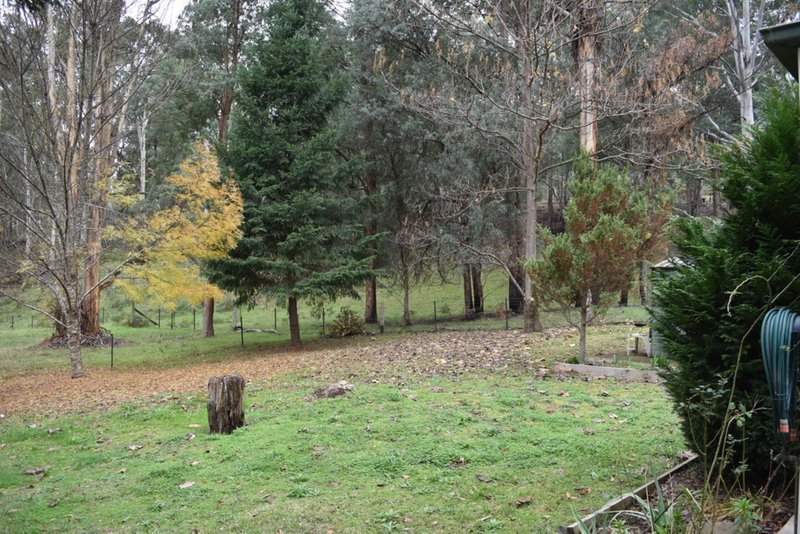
[201, 223]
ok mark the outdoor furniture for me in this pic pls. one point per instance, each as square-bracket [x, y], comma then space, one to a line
[633, 342]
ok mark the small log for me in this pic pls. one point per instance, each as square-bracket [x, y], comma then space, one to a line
[225, 403]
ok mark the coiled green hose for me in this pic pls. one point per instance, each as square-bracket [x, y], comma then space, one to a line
[780, 363]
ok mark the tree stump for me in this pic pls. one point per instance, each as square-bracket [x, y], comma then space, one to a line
[225, 403]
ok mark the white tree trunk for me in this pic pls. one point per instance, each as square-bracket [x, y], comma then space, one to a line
[746, 39]
[141, 130]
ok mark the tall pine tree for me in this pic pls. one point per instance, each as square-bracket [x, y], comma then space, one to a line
[300, 240]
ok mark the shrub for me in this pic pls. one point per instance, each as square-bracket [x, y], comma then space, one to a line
[347, 323]
[709, 312]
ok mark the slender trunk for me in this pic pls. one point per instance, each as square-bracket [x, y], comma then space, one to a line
[28, 206]
[551, 209]
[294, 322]
[74, 342]
[477, 288]
[531, 308]
[589, 21]
[94, 235]
[91, 302]
[371, 287]
[643, 283]
[469, 308]
[623, 297]
[516, 299]
[582, 330]
[406, 290]
[371, 298]
[141, 131]
[208, 318]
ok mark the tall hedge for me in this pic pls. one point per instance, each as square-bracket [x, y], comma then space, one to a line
[709, 312]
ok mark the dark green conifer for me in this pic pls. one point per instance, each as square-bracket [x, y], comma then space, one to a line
[709, 313]
[300, 239]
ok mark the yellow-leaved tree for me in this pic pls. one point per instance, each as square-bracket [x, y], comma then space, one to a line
[201, 223]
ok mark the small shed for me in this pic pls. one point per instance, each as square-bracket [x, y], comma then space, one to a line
[660, 271]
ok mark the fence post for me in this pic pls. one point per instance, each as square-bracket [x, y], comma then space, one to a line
[323, 320]
[112, 350]
[241, 326]
[194, 319]
[381, 324]
[12, 321]
[31, 321]
[505, 311]
[435, 326]
[159, 317]
[172, 321]
[275, 316]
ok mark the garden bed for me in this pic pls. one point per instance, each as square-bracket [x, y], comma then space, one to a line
[672, 495]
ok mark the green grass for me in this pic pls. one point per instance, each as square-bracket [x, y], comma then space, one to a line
[443, 455]
[166, 346]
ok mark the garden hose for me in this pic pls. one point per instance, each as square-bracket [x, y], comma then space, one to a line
[780, 363]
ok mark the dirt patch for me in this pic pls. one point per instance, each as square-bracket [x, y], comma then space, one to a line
[599, 371]
[390, 359]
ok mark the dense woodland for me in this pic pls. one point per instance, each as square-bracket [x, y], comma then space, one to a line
[299, 149]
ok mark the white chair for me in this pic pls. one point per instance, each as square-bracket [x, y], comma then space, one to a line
[633, 342]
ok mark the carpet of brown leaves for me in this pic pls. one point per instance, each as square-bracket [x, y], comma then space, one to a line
[389, 359]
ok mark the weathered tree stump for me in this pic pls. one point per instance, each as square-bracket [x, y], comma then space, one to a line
[225, 403]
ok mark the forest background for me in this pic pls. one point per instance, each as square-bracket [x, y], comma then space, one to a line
[402, 139]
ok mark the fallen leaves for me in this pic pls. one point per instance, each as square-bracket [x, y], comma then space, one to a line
[135, 447]
[37, 470]
[189, 436]
[522, 501]
[54, 393]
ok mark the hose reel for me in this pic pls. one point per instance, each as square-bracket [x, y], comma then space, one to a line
[781, 355]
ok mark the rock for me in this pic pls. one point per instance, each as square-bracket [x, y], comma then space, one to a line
[333, 390]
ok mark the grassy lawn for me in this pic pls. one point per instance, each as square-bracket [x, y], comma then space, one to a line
[477, 453]
[486, 448]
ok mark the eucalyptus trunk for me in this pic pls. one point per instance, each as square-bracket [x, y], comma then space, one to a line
[294, 322]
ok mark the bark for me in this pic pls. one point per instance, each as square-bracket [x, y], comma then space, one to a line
[469, 309]
[589, 27]
[623, 297]
[225, 403]
[234, 317]
[208, 318]
[371, 298]
[528, 179]
[141, 131]
[477, 288]
[643, 269]
[582, 330]
[74, 343]
[230, 58]
[516, 299]
[294, 322]
[406, 276]
[744, 53]
[371, 287]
